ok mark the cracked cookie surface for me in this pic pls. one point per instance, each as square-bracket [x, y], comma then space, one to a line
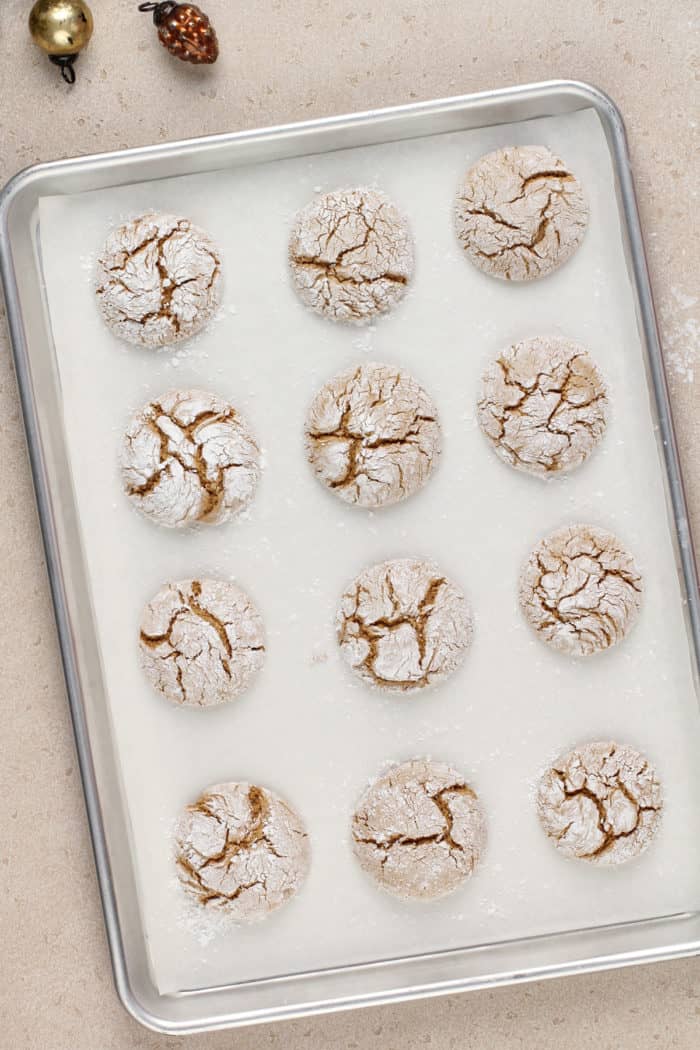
[520, 213]
[419, 830]
[581, 590]
[351, 255]
[242, 849]
[543, 405]
[189, 457]
[403, 626]
[600, 802]
[372, 435]
[201, 641]
[158, 280]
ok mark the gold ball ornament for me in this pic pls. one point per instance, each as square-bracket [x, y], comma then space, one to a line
[61, 28]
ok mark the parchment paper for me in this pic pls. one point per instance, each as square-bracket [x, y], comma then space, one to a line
[307, 728]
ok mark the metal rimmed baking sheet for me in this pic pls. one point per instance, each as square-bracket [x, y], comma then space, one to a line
[417, 154]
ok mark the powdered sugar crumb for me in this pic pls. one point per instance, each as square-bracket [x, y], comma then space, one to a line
[680, 326]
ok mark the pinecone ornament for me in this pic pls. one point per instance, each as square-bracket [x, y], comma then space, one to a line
[185, 31]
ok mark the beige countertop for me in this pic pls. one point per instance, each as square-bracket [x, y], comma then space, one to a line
[286, 60]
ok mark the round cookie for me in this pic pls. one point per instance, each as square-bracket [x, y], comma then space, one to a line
[351, 255]
[403, 626]
[158, 280]
[600, 802]
[520, 213]
[372, 435]
[419, 830]
[241, 849]
[543, 405]
[189, 457]
[201, 641]
[580, 590]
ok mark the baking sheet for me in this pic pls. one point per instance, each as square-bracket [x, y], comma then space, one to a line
[306, 728]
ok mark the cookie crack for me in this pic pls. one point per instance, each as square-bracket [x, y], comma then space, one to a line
[359, 442]
[257, 833]
[562, 176]
[385, 843]
[610, 836]
[223, 652]
[566, 568]
[519, 416]
[213, 487]
[373, 633]
[330, 272]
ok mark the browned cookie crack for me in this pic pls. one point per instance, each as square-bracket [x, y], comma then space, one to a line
[403, 626]
[189, 456]
[581, 590]
[201, 641]
[419, 830]
[601, 803]
[158, 280]
[242, 849]
[543, 405]
[372, 435]
[351, 255]
[520, 213]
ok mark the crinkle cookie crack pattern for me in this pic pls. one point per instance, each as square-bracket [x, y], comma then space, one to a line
[580, 590]
[158, 280]
[543, 405]
[201, 641]
[372, 435]
[520, 213]
[402, 626]
[601, 803]
[419, 830]
[242, 849]
[189, 457]
[351, 255]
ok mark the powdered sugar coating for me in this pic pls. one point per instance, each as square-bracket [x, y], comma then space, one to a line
[581, 590]
[543, 405]
[372, 435]
[351, 255]
[201, 641]
[241, 849]
[158, 280]
[520, 213]
[403, 626]
[600, 802]
[189, 457]
[419, 830]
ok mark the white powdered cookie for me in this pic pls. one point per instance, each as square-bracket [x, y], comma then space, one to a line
[158, 280]
[419, 830]
[543, 405]
[581, 590]
[351, 255]
[241, 849]
[600, 802]
[403, 626]
[201, 641]
[189, 457]
[520, 213]
[372, 435]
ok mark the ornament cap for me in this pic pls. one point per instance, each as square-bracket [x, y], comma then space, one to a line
[160, 10]
[65, 64]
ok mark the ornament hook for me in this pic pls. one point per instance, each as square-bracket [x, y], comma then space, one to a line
[160, 10]
[65, 64]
